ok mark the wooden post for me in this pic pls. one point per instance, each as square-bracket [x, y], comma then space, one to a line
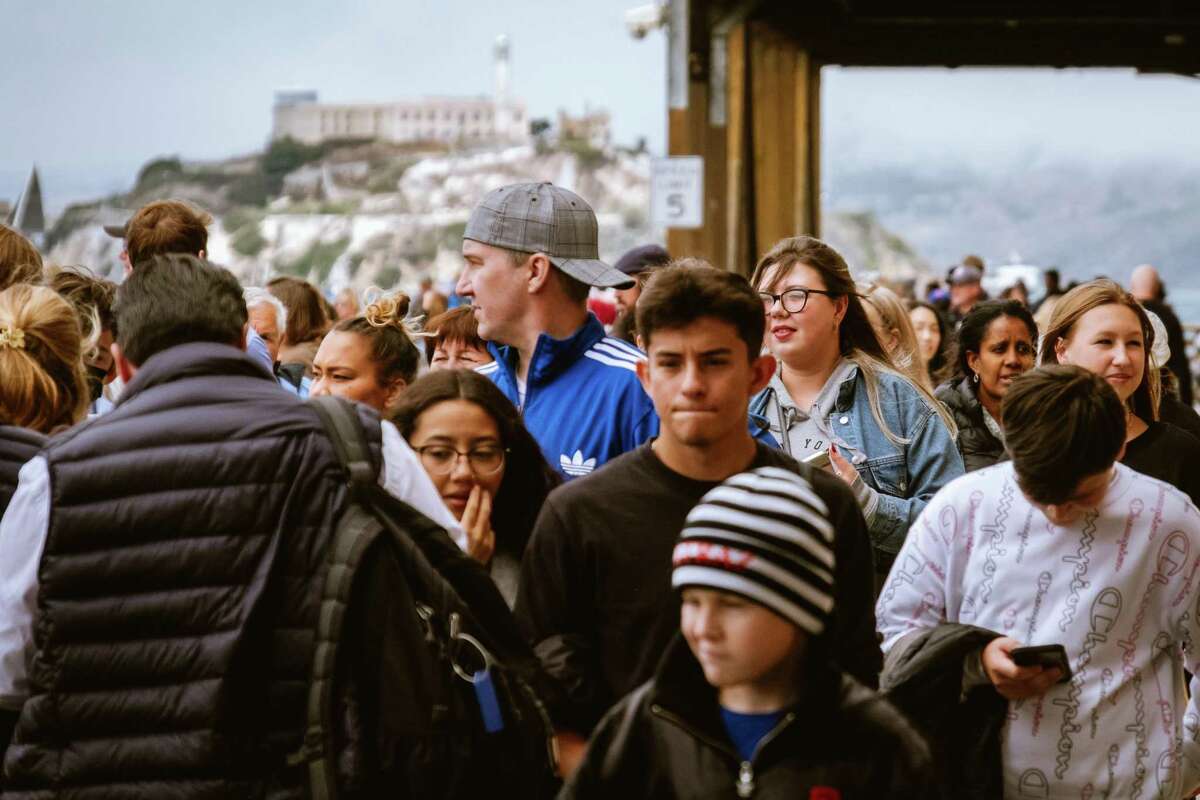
[785, 85]
[740, 252]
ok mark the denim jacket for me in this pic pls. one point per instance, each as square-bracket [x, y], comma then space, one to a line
[904, 476]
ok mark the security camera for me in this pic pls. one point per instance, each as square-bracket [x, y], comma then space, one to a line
[643, 19]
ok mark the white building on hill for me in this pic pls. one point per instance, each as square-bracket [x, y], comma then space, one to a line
[443, 119]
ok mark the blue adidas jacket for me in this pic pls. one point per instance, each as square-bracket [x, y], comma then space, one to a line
[583, 402]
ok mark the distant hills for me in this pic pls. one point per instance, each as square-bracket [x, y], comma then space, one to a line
[1086, 219]
[360, 214]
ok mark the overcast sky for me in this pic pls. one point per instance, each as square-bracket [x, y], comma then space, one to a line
[92, 90]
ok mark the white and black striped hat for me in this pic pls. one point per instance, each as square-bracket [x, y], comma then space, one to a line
[764, 535]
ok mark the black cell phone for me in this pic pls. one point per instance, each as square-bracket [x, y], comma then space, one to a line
[1044, 655]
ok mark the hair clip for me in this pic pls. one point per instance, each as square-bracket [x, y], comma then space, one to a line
[12, 337]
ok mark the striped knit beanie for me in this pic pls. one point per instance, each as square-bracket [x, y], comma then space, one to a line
[764, 535]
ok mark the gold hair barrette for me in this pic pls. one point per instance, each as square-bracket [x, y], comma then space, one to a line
[12, 337]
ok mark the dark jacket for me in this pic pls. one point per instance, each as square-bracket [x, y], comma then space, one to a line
[17, 445]
[923, 677]
[666, 740]
[979, 448]
[179, 588]
[596, 599]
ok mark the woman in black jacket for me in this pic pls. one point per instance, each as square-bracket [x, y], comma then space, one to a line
[997, 341]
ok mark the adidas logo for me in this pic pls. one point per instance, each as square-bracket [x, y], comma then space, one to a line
[576, 465]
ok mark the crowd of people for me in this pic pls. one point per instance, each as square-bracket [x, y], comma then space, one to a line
[789, 535]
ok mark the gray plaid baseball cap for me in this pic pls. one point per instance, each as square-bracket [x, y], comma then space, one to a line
[544, 218]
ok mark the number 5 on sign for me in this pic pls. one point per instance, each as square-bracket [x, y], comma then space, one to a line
[677, 192]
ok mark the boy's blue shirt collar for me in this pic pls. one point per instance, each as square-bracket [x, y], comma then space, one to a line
[550, 356]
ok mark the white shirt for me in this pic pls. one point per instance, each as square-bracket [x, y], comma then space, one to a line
[25, 525]
[1119, 589]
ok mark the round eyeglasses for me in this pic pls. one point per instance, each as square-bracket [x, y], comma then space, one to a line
[440, 459]
[794, 300]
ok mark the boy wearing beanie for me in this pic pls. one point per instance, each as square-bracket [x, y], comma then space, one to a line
[746, 701]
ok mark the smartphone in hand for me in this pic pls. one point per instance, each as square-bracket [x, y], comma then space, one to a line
[1046, 656]
[819, 459]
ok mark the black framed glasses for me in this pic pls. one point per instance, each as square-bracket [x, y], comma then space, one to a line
[440, 459]
[794, 300]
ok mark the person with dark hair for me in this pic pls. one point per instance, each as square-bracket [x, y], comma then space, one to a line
[639, 264]
[370, 358]
[966, 289]
[1068, 551]
[531, 257]
[93, 298]
[488, 468]
[747, 702]
[935, 339]
[595, 593]
[839, 399]
[997, 342]
[452, 341]
[174, 552]
[307, 324]
[1100, 326]
[1052, 289]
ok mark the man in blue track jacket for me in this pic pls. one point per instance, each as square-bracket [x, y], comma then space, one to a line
[531, 258]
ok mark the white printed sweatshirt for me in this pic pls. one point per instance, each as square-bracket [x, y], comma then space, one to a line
[1118, 589]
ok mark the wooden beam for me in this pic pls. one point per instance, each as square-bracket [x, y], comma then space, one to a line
[785, 120]
[740, 252]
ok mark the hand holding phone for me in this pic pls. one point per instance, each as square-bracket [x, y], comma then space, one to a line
[1046, 656]
[1015, 681]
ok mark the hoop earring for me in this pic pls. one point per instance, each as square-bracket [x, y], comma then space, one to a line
[975, 378]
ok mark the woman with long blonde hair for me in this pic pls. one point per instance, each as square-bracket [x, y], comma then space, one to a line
[837, 397]
[895, 332]
[1102, 328]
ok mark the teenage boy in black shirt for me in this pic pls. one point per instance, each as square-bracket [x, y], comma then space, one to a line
[595, 595]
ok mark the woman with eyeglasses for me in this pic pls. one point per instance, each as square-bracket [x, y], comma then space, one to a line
[837, 399]
[487, 467]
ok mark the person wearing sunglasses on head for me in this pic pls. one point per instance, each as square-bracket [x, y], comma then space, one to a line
[486, 465]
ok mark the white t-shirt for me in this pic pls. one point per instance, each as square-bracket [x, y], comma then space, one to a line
[1118, 589]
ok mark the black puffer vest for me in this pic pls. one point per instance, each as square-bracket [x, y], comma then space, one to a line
[179, 589]
[979, 448]
[17, 445]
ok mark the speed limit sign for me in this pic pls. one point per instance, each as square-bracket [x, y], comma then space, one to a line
[677, 192]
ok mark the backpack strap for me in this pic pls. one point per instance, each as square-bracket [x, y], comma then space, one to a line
[356, 532]
[349, 442]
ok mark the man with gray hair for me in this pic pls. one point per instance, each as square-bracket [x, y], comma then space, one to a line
[268, 319]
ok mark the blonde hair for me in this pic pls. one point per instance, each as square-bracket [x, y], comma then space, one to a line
[907, 354]
[1074, 304]
[20, 262]
[41, 358]
[857, 340]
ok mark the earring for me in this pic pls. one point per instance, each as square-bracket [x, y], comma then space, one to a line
[975, 378]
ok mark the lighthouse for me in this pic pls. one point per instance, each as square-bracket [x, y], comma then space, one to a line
[501, 54]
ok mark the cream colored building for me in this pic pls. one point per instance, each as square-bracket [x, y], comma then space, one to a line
[498, 118]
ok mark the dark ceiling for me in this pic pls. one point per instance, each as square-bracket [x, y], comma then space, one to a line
[1149, 36]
